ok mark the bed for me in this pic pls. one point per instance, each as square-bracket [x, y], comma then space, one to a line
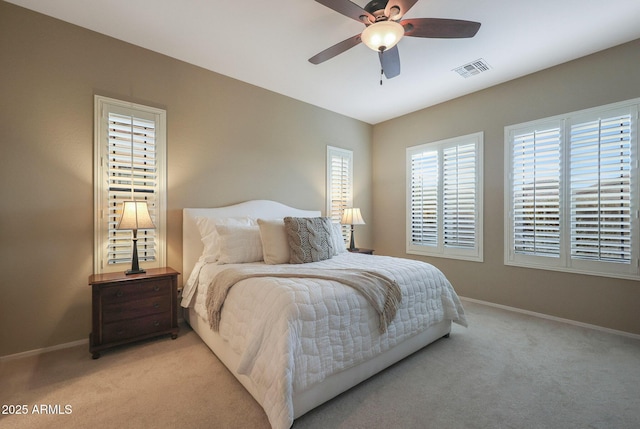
[294, 343]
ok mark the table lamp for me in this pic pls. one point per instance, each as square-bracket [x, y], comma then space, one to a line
[352, 217]
[135, 216]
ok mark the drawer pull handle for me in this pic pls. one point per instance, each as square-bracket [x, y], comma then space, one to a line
[156, 323]
[156, 305]
[156, 288]
[119, 294]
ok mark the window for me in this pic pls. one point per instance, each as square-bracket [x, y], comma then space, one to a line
[339, 184]
[444, 198]
[129, 165]
[536, 190]
[572, 192]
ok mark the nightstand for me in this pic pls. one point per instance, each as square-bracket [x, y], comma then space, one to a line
[127, 308]
[361, 250]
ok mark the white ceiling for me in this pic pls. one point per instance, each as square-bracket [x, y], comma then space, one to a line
[267, 44]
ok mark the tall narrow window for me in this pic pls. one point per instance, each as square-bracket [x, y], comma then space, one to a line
[339, 184]
[444, 198]
[129, 165]
[572, 192]
[601, 189]
[424, 187]
[459, 195]
[536, 191]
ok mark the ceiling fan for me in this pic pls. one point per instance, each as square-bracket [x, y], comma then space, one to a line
[385, 27]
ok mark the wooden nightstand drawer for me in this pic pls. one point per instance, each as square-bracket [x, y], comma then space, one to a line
[141, 326]
[138, 308]
[138, 290]
[127, 308]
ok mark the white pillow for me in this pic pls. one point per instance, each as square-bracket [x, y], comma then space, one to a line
[209, 234]
[275, 247]
[339, 246]
[239, 244]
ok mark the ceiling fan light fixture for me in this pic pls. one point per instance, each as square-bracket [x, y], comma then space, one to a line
[382, 35]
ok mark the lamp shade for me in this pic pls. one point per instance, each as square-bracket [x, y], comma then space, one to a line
[382, 35]
[135, 215]
[352, 217]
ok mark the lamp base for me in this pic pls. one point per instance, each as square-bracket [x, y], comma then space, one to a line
[352, 243]
[135, 266]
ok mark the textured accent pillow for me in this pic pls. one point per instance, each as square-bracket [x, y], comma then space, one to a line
[209, 234]
[339, 246]
[275, 247]
[239, 244]
[309, 239]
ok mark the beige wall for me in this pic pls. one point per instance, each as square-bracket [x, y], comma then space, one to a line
[599, 79]
[227, 142]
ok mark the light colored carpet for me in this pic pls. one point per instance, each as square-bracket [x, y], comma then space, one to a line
[506, 370]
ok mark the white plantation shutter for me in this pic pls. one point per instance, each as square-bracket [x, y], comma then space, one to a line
[601, 189]
[459, 195]
[423, 198]
[132, 175]
[572, 192]
[444, 198]
[130, 165]
[339, 184]
[536, 192]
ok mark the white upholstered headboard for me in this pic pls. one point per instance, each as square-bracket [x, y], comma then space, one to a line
[264, 209]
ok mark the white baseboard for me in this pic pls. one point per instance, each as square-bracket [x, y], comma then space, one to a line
[45, 350]
[555, 319]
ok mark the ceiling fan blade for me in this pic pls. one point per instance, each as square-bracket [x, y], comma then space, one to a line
[403, 7]
[440, 28]
[390, 62]
[336, 49]
[349, 9]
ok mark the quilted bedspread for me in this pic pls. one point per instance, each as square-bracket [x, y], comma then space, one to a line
[292, 333]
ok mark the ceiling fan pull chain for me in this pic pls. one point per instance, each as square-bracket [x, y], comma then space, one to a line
[382, 48]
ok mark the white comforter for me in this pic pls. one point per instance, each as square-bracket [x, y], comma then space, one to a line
[292, 333]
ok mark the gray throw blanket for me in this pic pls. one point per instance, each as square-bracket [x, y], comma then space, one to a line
[380, 291]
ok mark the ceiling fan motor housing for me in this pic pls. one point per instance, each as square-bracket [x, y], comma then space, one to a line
[375, 8]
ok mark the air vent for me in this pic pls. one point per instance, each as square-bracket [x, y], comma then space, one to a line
[473, 68]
